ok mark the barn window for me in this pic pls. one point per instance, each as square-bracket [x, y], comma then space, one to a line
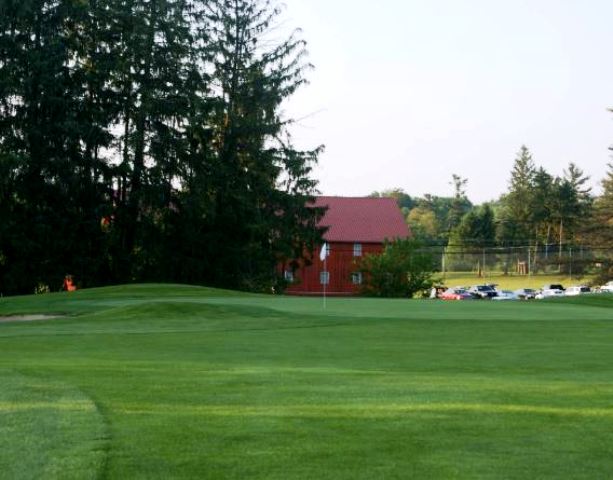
[357, 249]
[289, 276]
[324, 278]
[356, 278]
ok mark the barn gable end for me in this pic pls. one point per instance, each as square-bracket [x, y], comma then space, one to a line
[356, 226]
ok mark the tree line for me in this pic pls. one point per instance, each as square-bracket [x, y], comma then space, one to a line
[143, 140]
[538, 211]
[431, 217]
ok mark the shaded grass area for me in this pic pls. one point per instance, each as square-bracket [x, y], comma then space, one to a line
[197, 383]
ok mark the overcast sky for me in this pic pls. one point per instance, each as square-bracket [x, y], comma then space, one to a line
[407, 92]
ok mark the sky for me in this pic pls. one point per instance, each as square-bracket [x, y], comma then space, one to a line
[406, 93]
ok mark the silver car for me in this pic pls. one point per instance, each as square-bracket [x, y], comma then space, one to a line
[505, 295]
[549, 293]
[482, 291]
[525, 293]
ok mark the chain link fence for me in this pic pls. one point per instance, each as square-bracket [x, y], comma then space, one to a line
[569, 260]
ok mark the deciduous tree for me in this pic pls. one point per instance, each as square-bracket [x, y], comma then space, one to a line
[402, 270]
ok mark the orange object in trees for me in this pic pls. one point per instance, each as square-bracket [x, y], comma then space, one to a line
[69, 286]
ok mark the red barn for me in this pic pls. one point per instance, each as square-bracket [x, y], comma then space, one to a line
[356, 227]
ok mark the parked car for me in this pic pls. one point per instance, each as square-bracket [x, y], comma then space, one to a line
[607, 287]
[553, 286]
[577, 290]
[505, 295]
[548, 293]
[456, 293]
[483, 291]
[525, 293]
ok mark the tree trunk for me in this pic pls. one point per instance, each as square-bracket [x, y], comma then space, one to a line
[140, 126]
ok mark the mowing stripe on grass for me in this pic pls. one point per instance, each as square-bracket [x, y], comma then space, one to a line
[49, 430]
[357, 411]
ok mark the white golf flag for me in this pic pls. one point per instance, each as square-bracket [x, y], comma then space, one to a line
[324, 252]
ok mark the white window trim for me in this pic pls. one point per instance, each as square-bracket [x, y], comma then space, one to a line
[357, 249]
[324, 277]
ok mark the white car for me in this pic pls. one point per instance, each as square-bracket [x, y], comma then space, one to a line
[607, 287]
[505, 295]
[577, 290]
[549, 293]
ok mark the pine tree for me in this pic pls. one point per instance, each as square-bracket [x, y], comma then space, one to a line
[458, 204]
[476, 232]
[261, 184]
[583, 198]
[518, 201]
[43, 126]
[541, 203]
[604, 205]
[599, 230]
[571, 203]
[143, 140]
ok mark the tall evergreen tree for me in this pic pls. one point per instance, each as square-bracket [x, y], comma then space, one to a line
[603, 212]
[517, 212]
[476, 231]
[582, 194]
[43, 130]
[458, 204]
[541, 203]
[143, 140]
[261, 183]
[542, 209]
[597, 231]
[571, 202]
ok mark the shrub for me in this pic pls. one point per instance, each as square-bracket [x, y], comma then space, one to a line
[401, 270]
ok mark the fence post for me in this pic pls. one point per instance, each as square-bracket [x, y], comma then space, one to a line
[483, 267]
[529, 261]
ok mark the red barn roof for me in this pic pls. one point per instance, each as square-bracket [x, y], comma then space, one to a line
[362, 219]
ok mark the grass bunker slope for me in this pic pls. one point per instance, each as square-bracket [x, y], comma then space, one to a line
[170, 381]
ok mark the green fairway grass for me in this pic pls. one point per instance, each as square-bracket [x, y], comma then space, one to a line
[169, 381]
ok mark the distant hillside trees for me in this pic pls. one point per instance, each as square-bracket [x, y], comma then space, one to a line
[405, 201]
[430, 216]
[144, 141]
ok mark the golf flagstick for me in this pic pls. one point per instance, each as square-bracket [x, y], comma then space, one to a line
[326, 282]
[323, 255]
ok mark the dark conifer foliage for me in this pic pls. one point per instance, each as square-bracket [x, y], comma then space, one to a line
[142, 140]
